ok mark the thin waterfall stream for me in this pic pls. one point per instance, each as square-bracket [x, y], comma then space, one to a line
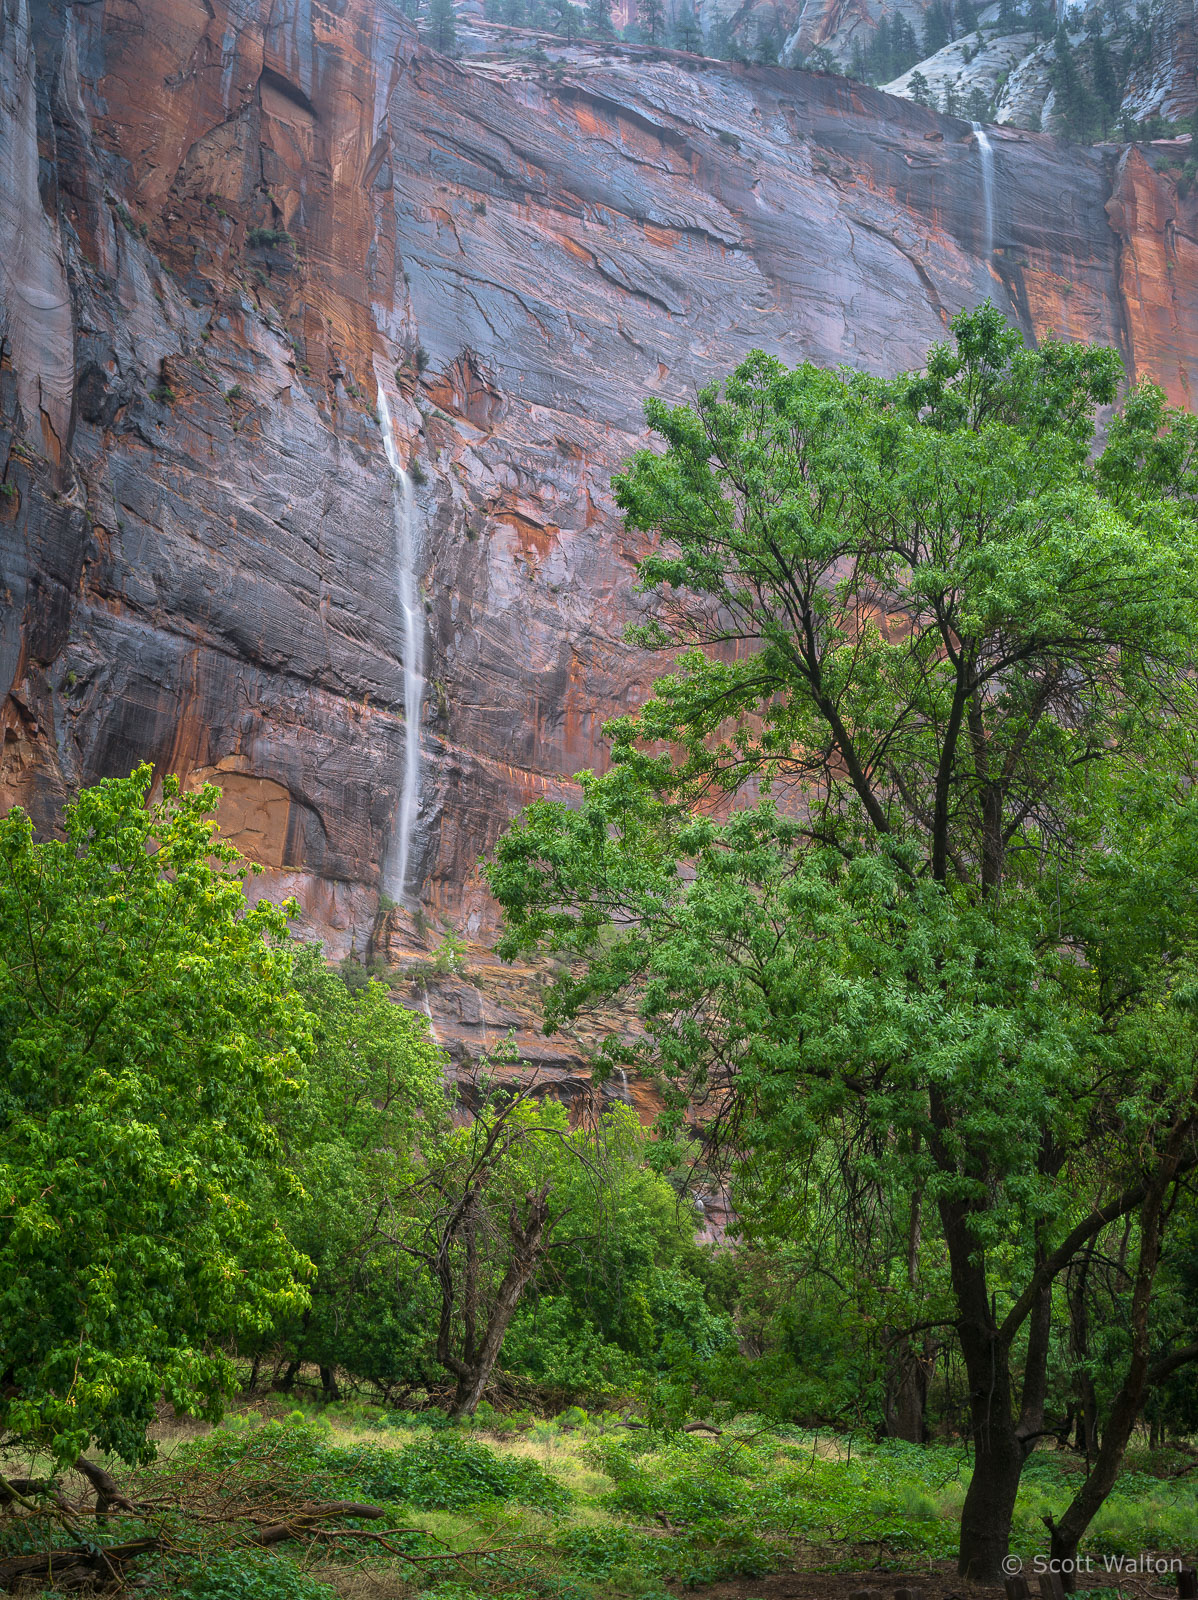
[986, 157]
[403, 511]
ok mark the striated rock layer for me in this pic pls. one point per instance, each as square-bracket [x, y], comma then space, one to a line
[225, 223]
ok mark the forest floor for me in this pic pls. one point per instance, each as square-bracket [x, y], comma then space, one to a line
[583, 1508]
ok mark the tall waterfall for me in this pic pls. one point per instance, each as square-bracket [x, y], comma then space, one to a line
[403, 512]
[986, 156]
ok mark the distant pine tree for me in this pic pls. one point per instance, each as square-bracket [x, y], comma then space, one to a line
[1107, 88]
[767, 52]
[878, 57]
[442, 27]
[920, 92]
[688, 35]
[1040, 19]
[599, 17]
[904, 45]
[569, 19]
[977, 107]
[935, 28]
[652, 15]
[966, 16]
[821, 59]
[1075, 107]
[723, 43]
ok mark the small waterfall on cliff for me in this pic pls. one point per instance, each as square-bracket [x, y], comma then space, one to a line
[986, 156]
[403, 511]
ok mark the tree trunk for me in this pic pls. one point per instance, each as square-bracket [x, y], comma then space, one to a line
[998, 1449]
[1125, 1408]
[910, 1368]
[906, 1394]
[328, 1384]
[998, 1457]
[527, 1240]
[1086, 1436]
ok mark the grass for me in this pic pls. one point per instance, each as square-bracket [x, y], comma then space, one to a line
[581, 1508]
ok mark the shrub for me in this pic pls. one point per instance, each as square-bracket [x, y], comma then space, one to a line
[242, 1576]
[268, 238]
[447, 1474]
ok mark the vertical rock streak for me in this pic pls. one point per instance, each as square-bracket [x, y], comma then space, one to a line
[403, 511]
[986, 157]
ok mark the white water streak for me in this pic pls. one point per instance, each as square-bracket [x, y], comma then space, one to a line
[986, 156]
[403, 511]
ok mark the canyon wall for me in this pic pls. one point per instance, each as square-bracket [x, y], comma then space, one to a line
[225, 223]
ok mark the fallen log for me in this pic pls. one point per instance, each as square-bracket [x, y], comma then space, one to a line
[300, 1524]
[52, 1564]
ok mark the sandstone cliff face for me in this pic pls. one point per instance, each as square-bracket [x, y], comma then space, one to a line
[225, 223]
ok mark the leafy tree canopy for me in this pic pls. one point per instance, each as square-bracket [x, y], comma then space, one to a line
[937, 651]
[376, 1104]
[147, 1023]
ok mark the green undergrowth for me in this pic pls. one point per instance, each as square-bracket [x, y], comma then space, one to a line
[579, 1508]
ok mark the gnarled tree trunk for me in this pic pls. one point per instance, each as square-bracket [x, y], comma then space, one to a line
[474, 1367]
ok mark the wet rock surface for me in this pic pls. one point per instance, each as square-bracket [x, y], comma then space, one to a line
[226, 224]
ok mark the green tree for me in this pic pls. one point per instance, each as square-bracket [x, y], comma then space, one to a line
[935, 28]
[599, 17]
[1040, 19]
[569, 18]
[147, 1023]
[688, 35]
[1075, 108]
[1108, 91]
[880, 55]
[977, 107]
[623, 1303]
[920, 92]
[904, 45]
[480, 1215]
[442, 26]
[375, 1095]
[821, 59]
[768, 47]
[913, 606]
[651, 15]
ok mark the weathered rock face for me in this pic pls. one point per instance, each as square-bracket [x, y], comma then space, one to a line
[227, 222]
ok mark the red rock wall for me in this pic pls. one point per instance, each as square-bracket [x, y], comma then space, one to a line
[222, 221]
